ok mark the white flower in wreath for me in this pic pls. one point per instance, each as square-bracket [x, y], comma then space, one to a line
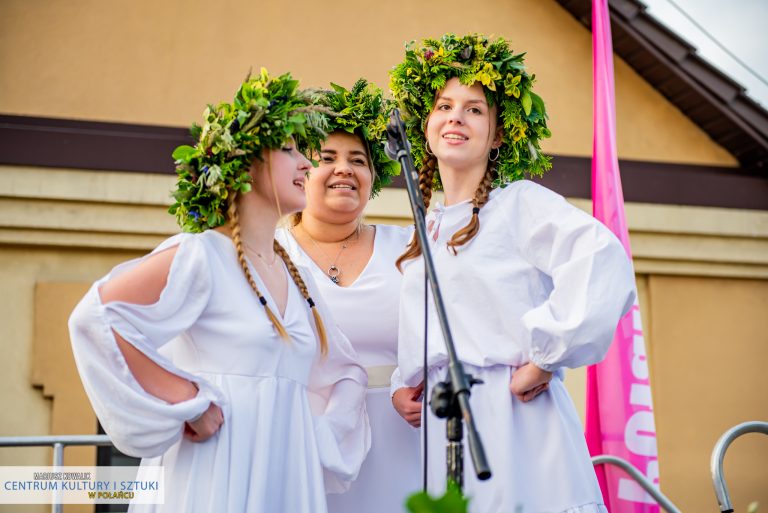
[532, 151]
[213, 176]
[227, 142]
[217, 189]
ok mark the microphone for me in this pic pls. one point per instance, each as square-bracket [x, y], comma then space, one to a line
[397, 142]
[452, 397]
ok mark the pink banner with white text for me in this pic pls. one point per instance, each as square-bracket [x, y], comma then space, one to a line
[619, 408]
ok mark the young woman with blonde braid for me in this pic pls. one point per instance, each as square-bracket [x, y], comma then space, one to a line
[354, 267]
[213, 356]
[530, 283]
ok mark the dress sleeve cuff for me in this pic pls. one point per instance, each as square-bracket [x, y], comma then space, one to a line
[539, 360]
[396, 382]
[198, 405]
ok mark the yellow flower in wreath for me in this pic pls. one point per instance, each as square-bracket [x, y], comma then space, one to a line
[488, 76]
[518, 132]
[510, 85]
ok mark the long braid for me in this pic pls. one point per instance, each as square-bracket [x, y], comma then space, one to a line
[466, 234]
[299, 281]
[234, 221]
[426, 180]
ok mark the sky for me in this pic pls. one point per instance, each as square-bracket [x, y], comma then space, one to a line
[739, 25]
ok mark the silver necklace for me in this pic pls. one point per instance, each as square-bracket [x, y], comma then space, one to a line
[334, 271]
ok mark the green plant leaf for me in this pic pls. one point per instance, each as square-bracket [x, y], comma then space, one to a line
[451, 502]
[525, 100]
[183, 152]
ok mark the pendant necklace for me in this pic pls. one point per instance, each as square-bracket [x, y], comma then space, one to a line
[261, 257]
[334, 271]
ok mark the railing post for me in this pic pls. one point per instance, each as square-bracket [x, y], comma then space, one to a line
[58, 462]
[718, 456]
[638, 476]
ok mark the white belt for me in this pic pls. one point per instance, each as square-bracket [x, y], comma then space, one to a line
[379, 375]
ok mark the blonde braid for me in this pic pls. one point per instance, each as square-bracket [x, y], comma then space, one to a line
[299, 281]
[466, 234]
[426, 180]
[234, 221]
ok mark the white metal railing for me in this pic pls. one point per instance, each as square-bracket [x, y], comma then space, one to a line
[644, 482]
[58, 443]
[718, 456]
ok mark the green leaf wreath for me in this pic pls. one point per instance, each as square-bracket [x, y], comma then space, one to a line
[266, 112]
[364, 111]
[474, 58]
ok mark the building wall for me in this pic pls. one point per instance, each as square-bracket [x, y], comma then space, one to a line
[160, 63]
[708, 351]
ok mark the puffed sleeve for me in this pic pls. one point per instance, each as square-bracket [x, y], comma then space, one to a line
[139, 423]
[592, 280]
[337, 389]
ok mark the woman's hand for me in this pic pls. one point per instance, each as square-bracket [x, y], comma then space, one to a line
[407, 402]
[529, 381]
[205, 426]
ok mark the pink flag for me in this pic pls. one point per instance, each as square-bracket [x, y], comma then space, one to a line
[619, 407]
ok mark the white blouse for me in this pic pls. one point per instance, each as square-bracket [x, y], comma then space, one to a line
[367, 311]
[541, 282]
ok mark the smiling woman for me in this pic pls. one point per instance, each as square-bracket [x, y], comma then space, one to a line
[184, 353]
[530, 283]
[463, 132]
[354, 265]
[344, 178]
[339, 189]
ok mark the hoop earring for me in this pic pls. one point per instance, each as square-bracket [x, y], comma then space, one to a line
[427, 148]
[494, 159]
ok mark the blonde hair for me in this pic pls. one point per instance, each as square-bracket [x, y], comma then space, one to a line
[234, 221]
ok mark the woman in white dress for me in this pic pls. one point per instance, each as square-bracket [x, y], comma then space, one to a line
[354, 266]
[530, 283]
[250, 405]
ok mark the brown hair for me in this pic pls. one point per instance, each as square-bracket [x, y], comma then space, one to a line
[234, 220]
[426, 182]
[467, 233]
[461, 237]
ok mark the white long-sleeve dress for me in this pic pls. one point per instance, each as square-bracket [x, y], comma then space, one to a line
[294, 421]
[541, 282]
[367, 313]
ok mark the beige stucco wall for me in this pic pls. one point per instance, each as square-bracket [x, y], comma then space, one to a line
[144, 61]
[21, 269]
[709, 348]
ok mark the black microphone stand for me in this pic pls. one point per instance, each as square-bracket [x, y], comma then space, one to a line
[449, 398]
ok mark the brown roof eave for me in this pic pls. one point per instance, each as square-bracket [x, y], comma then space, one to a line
[91, 145]
[707, 96]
